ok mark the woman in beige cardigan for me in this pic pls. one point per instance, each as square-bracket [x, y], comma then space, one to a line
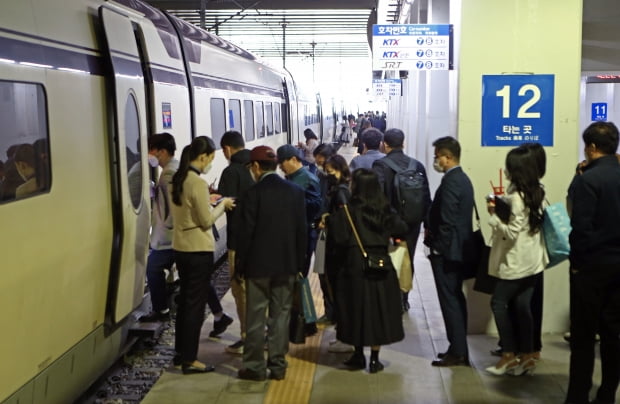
[193, 245]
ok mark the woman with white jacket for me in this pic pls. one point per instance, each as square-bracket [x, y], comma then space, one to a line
[517, 255]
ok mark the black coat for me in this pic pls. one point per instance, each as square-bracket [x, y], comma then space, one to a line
[234, 182]
[370, 307]
[273, 240]
[595, 220]
[450, 216]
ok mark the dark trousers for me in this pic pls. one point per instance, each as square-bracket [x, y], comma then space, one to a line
[449, 282]
[515, 332]
[195, 270]
[158, 261]
[272, 297]
[412, 240]
[594, 307]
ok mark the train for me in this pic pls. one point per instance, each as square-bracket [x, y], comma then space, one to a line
[82, 85]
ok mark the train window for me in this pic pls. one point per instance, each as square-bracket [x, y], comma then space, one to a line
[24, 151]
[269, 118]
[218, 120]
[234, 115]
[284, 118]
[277, 125]
[133, 152]
[248, 117]
[260, 121]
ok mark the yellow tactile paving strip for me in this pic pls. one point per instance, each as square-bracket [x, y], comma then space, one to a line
[302, 360]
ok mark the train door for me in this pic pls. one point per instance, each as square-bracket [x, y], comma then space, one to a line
[129, 171]
[319, 117]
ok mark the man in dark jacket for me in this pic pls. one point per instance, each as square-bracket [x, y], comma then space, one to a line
[449, 233]
[271, 252]
[595, 267]
[393, 142]
[234, 182]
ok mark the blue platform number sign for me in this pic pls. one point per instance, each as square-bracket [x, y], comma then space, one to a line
[517, 109]
[166, 115]
[599, 111]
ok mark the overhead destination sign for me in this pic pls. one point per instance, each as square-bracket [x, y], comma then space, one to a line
[412, 47]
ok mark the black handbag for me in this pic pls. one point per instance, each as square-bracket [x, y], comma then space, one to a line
[297, 328]
[375, 263]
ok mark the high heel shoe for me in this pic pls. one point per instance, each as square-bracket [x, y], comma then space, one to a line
[375, 366]
[355, 362]
[526, 366]
[507, 368]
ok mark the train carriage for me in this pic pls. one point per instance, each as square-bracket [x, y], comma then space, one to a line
[82, 84]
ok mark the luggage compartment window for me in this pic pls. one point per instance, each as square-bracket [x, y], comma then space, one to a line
[218, 120]
[24, 141]
[260, 121]
[277, 123]
[269, 118]
[248, 117]
[234, 115]
[133, 151]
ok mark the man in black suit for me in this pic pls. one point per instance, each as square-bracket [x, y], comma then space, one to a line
[393, 142]
[449, 231]
[272, 249]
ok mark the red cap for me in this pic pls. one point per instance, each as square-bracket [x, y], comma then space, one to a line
[263, 153]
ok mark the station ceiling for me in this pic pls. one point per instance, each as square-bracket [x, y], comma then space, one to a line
[285, 28]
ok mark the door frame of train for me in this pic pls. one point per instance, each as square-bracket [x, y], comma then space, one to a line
[131, 222]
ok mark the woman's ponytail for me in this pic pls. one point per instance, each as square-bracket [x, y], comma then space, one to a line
[179, 177]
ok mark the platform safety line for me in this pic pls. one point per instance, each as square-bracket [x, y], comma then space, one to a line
[302, 359]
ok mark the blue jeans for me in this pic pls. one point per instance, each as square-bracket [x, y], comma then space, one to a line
[158, 261]
[515, 332]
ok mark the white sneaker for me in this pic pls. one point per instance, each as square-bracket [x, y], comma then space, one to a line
[332, 341]
[340, 347]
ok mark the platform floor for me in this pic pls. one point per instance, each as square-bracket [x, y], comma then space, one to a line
[316, 376]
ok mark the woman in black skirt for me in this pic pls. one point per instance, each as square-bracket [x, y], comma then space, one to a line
[370, 313]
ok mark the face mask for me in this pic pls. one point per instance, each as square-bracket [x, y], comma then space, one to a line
[331, 178]
[207, 168]
[153, 161]
[437, 166]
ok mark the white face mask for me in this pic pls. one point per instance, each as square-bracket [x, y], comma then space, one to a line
[437, 167]
[207, 168]
[153, 161]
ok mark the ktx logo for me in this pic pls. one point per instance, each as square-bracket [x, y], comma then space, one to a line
[390, 55]
[390, 42]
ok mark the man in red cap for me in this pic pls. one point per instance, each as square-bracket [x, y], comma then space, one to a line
[271, 252]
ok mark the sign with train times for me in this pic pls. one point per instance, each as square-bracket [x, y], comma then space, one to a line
[412, 47]
[517, 108]
[385, 88]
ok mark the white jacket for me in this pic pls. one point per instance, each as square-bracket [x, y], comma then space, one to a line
[515, 253]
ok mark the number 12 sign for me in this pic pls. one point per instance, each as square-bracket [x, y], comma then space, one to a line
[517, 109]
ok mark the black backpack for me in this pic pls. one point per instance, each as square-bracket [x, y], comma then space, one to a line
[411, 192]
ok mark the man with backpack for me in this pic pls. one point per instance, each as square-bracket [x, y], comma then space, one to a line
[405, 184]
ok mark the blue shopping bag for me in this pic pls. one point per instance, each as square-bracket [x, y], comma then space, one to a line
[556, 228]
[307, 303]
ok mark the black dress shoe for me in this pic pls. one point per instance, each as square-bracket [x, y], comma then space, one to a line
[497, 351]
[375, 366]
[176, 361]
[189, 369]
[247, 374]
[355, 362]
[155, 316]
[451, 360]
[442, 355]
[277, 375]
[221, 325]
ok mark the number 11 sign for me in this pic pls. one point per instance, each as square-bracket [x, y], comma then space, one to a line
[517, 109]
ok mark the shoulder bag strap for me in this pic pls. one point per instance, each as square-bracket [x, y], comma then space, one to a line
[357, 237]
[477, 215]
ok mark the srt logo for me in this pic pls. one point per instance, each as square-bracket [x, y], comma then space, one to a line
[391, 65]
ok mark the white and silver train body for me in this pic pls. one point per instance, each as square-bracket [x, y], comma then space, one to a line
[82, 84]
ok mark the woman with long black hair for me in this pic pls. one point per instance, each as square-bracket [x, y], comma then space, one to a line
[193, 244]
[517, 257]
[369, 303]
